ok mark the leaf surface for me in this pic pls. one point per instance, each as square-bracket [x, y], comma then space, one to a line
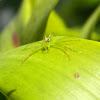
[50, 75]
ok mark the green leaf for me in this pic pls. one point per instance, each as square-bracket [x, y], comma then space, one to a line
[57, 25]
[17, 25]
[2, 97]
[36, 26]
[88, 28]
[50, 75]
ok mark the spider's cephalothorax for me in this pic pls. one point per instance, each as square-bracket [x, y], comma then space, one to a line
[47, 39]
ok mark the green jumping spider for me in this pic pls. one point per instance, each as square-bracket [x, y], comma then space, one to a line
[47, 43]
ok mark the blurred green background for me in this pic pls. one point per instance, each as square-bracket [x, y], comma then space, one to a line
[73, 12]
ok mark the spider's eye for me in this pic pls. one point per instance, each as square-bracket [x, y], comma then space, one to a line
[48, 39]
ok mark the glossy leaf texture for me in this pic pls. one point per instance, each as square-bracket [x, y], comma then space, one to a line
[50, 75]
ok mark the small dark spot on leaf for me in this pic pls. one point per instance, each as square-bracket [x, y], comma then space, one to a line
[77, 76]
[10, 92]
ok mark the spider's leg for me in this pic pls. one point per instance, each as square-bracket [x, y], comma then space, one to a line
[51, 35]
[46, 45]
[67, 40]
[67, 52]
[30, 53]
[67, 45]
[28, 47]
[45, 48]
[62, 48]
[25, 47]
[26, 57]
